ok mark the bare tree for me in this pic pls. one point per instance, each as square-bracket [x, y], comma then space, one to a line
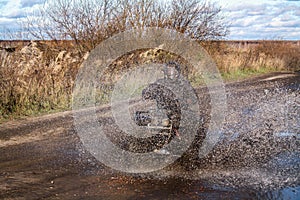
[199, 20]
[79, 20]
[90, 22]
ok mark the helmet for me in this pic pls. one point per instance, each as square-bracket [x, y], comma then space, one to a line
[171, 70]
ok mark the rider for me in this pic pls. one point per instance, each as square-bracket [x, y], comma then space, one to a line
[171, 71]
[165, 98]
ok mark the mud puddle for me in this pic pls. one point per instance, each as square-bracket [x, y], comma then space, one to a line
[258, 156]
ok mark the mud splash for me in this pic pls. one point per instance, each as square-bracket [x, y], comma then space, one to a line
[258, 156]
[259, 151]
[260, 144]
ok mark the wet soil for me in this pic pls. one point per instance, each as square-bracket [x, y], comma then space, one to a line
[43, 158]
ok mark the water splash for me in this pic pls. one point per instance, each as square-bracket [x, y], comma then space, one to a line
[260, 146]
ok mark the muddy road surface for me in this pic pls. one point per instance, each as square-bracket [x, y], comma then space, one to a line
[257, 157]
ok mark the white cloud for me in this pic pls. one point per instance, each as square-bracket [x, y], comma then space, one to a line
[31, 3]
[280, 24]
[255, 19]
[6, 21]
[296, 12]
[11, 9]
[13, 12]
[247, 7]
[263, 19]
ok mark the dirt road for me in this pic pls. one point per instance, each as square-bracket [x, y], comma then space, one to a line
[42, 158]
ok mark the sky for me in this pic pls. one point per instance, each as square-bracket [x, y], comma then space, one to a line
[249, 20]
[262, 19]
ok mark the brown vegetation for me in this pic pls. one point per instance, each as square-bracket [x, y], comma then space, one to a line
[88, 23]
[36, 78]
[40, 75]
[254, 56]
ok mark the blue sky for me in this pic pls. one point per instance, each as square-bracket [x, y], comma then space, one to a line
[262, 19]
[255, 19]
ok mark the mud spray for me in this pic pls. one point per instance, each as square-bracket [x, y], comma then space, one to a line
[243, 135]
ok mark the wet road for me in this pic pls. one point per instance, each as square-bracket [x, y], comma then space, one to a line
[43, 158]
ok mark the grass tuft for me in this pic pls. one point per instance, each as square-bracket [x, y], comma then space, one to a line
[38, 77]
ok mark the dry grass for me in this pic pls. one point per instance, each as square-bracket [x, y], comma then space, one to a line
[263, 56]
[40, 77]
[36, 78]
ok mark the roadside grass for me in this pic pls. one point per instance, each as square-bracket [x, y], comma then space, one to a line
[30, 113]
[39, 79]
[239, 74]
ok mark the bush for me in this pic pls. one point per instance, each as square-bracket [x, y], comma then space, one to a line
[88, 23]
